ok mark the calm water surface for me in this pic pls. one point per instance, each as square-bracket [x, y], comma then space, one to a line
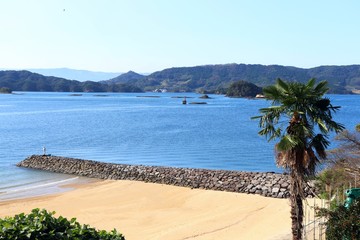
[126, 128]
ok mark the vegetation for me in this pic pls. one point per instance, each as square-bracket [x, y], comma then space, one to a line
[342, 223]
[28, 81]
[341, 79]
[343, 170]
[40, 224]
[126, 78]
[347, 155]
[331, 184]
[300, 147]
[5, 90]
[243, 89]
[203, 79]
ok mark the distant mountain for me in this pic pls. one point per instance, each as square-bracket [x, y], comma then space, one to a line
[342, 79]
[73, 74]
[126, 78]
[28, 81]
[205, 79]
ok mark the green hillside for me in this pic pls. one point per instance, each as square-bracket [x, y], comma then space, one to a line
[28, 81]
[342, 79]
[208, 78]
[126, 78]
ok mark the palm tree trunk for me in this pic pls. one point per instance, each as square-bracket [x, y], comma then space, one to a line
[296, 205]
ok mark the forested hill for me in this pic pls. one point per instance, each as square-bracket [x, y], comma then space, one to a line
[125, 78]
[28, 81]
[212, 77]
[208, 78]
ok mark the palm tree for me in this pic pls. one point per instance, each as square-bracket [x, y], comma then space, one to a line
[304, 140]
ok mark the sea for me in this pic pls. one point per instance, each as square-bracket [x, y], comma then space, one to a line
[153, 129]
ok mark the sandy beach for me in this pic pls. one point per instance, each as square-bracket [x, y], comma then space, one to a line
[153, 211]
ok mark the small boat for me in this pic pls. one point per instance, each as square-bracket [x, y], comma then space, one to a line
[184, 101]
[259, 96]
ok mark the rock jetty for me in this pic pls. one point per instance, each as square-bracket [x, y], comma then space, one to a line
[268, 184]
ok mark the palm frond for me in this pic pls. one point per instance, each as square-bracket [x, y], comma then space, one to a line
[268, 120]
[320, 143]
[310, 84]
[321, 87]
[334, 108]
[276, 134]
[322, 104]
[272, 93]
[322, 126]
[282, 85]
[288, 142]
[334, 126]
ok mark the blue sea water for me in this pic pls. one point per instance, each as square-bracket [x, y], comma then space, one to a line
[131, 128]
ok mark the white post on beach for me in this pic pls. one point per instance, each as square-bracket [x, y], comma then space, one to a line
[44, 150]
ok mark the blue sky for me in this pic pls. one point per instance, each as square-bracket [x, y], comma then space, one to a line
[147, 36]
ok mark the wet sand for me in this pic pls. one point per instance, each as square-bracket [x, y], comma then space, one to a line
[153, 211]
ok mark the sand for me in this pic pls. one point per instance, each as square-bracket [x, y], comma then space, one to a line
[153, 211]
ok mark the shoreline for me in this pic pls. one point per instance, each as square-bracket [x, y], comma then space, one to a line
[142, 210]
[44, 189]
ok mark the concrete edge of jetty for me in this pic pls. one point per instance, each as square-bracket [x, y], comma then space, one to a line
[267, 184]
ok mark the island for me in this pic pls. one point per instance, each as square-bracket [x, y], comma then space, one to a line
[5, 90]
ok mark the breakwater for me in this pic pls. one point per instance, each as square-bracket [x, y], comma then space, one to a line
[264, 183]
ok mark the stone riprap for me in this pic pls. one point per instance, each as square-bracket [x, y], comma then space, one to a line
[268, 184]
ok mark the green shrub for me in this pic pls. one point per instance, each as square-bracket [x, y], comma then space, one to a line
[40, 224]
[342, 223]
[331, 182]
[5, 90]
[343, 168]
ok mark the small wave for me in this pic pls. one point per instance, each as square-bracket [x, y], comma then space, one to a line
[49, 184]
[13, 185]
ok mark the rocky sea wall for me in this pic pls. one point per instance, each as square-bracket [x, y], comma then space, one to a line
[268, 184]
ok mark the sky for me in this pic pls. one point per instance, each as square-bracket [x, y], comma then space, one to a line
[151, 35]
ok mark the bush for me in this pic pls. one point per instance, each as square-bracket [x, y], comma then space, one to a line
[5, 90]
[343, 167]
[342, 223]
[332, 183]
[40, 224]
